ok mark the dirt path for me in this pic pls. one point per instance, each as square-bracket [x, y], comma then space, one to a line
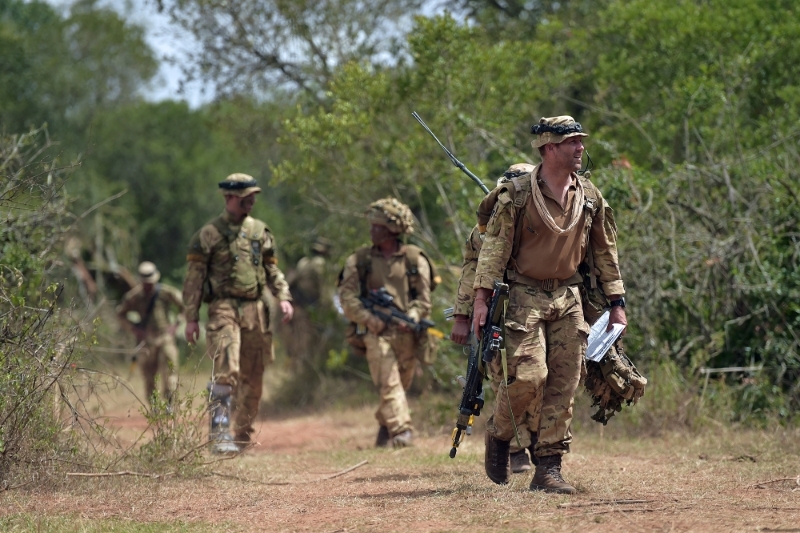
[686, 483]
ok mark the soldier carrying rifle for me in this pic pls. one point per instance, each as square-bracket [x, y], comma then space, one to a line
[385, 290]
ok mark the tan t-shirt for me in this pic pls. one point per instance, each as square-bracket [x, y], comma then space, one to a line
[543, 254]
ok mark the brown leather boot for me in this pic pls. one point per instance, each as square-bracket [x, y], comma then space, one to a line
[496, 460]
[548, 476]
[520, 462]
[532, 448]
[382, 440]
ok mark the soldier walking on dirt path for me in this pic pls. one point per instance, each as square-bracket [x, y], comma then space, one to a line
[391, 348]
[462, 310]
[536, 237]
[231, 262]
[303, 337]
[145, 312]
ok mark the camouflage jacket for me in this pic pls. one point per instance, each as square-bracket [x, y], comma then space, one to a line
[599, 230]
[135, 304]
[465, 295]
[227, 260]
[412, 293]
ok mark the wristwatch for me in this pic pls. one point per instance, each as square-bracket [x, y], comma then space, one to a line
[618, 303]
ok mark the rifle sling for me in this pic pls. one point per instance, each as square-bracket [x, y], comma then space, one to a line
[504, 364]
[150, 306]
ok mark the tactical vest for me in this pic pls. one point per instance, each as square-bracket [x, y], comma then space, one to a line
[239, 273]
[412, 254]
[518, 187]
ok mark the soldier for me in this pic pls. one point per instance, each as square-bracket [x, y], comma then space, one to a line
[152, 302]
[231, 262]
[536, 236]
[460, 332]
[404, 271]
[304, 339]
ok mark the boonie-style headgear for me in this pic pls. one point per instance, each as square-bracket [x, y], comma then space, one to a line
[238, 184]
[391, 213]
[148, 272]
[556, 130]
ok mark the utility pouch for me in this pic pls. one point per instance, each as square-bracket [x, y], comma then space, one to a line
[354, 335]
[425, 346]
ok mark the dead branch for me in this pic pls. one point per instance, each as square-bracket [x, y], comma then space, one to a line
[760, 484]
[601, 502]
[325, 478]
[117, 474]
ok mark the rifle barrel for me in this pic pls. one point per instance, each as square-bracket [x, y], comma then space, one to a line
[455, 161]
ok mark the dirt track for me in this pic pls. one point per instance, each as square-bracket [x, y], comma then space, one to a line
[687, 484]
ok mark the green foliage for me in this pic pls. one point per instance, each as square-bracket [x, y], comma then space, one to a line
[692, 109]
[37, 349]
[63, 70]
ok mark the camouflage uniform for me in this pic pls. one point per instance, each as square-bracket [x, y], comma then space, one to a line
[159, 356]
[230, 265]
[465, 297]
[546, 333]
[303, 338]
[391, 354]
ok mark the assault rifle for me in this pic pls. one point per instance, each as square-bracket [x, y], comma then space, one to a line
[490, 343]
[379, 299]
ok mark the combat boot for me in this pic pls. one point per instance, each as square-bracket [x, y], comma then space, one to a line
[520, 462]
[219, 409]
[496, 460]
[382, 440]
[548, 476]
[532, 448]
[403, 439]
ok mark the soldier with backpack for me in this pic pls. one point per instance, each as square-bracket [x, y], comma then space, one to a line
[462, 310]
[231, 263]
[145, 312]
[392, 347]
[539, 227]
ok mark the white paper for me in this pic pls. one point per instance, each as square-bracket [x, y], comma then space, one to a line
[600, 340]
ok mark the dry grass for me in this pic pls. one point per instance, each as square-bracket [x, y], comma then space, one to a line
[689, 482]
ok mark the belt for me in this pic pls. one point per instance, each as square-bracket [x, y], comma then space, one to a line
[548, 285]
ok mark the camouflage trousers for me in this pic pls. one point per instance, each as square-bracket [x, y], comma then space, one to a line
[239, 341]
[545, 342]
[392, 363]
[530, 422]
[160, 358]
[305, 339]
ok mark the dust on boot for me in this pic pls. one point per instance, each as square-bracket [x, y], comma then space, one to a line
[520, 462]
[403, 439]
[548, 477]
[219, 415]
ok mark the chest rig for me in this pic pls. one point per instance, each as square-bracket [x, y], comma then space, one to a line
[238, 270]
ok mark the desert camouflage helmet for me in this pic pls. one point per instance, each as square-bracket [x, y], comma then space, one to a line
[391, 213]
[148, 272]
[239, 185]
[555, 130]
[322, 246]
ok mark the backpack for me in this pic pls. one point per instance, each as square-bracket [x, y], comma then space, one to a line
[518, 186]
[354, 333]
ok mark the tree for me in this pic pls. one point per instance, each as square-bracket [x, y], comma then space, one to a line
[259, 46]
[63, 70]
